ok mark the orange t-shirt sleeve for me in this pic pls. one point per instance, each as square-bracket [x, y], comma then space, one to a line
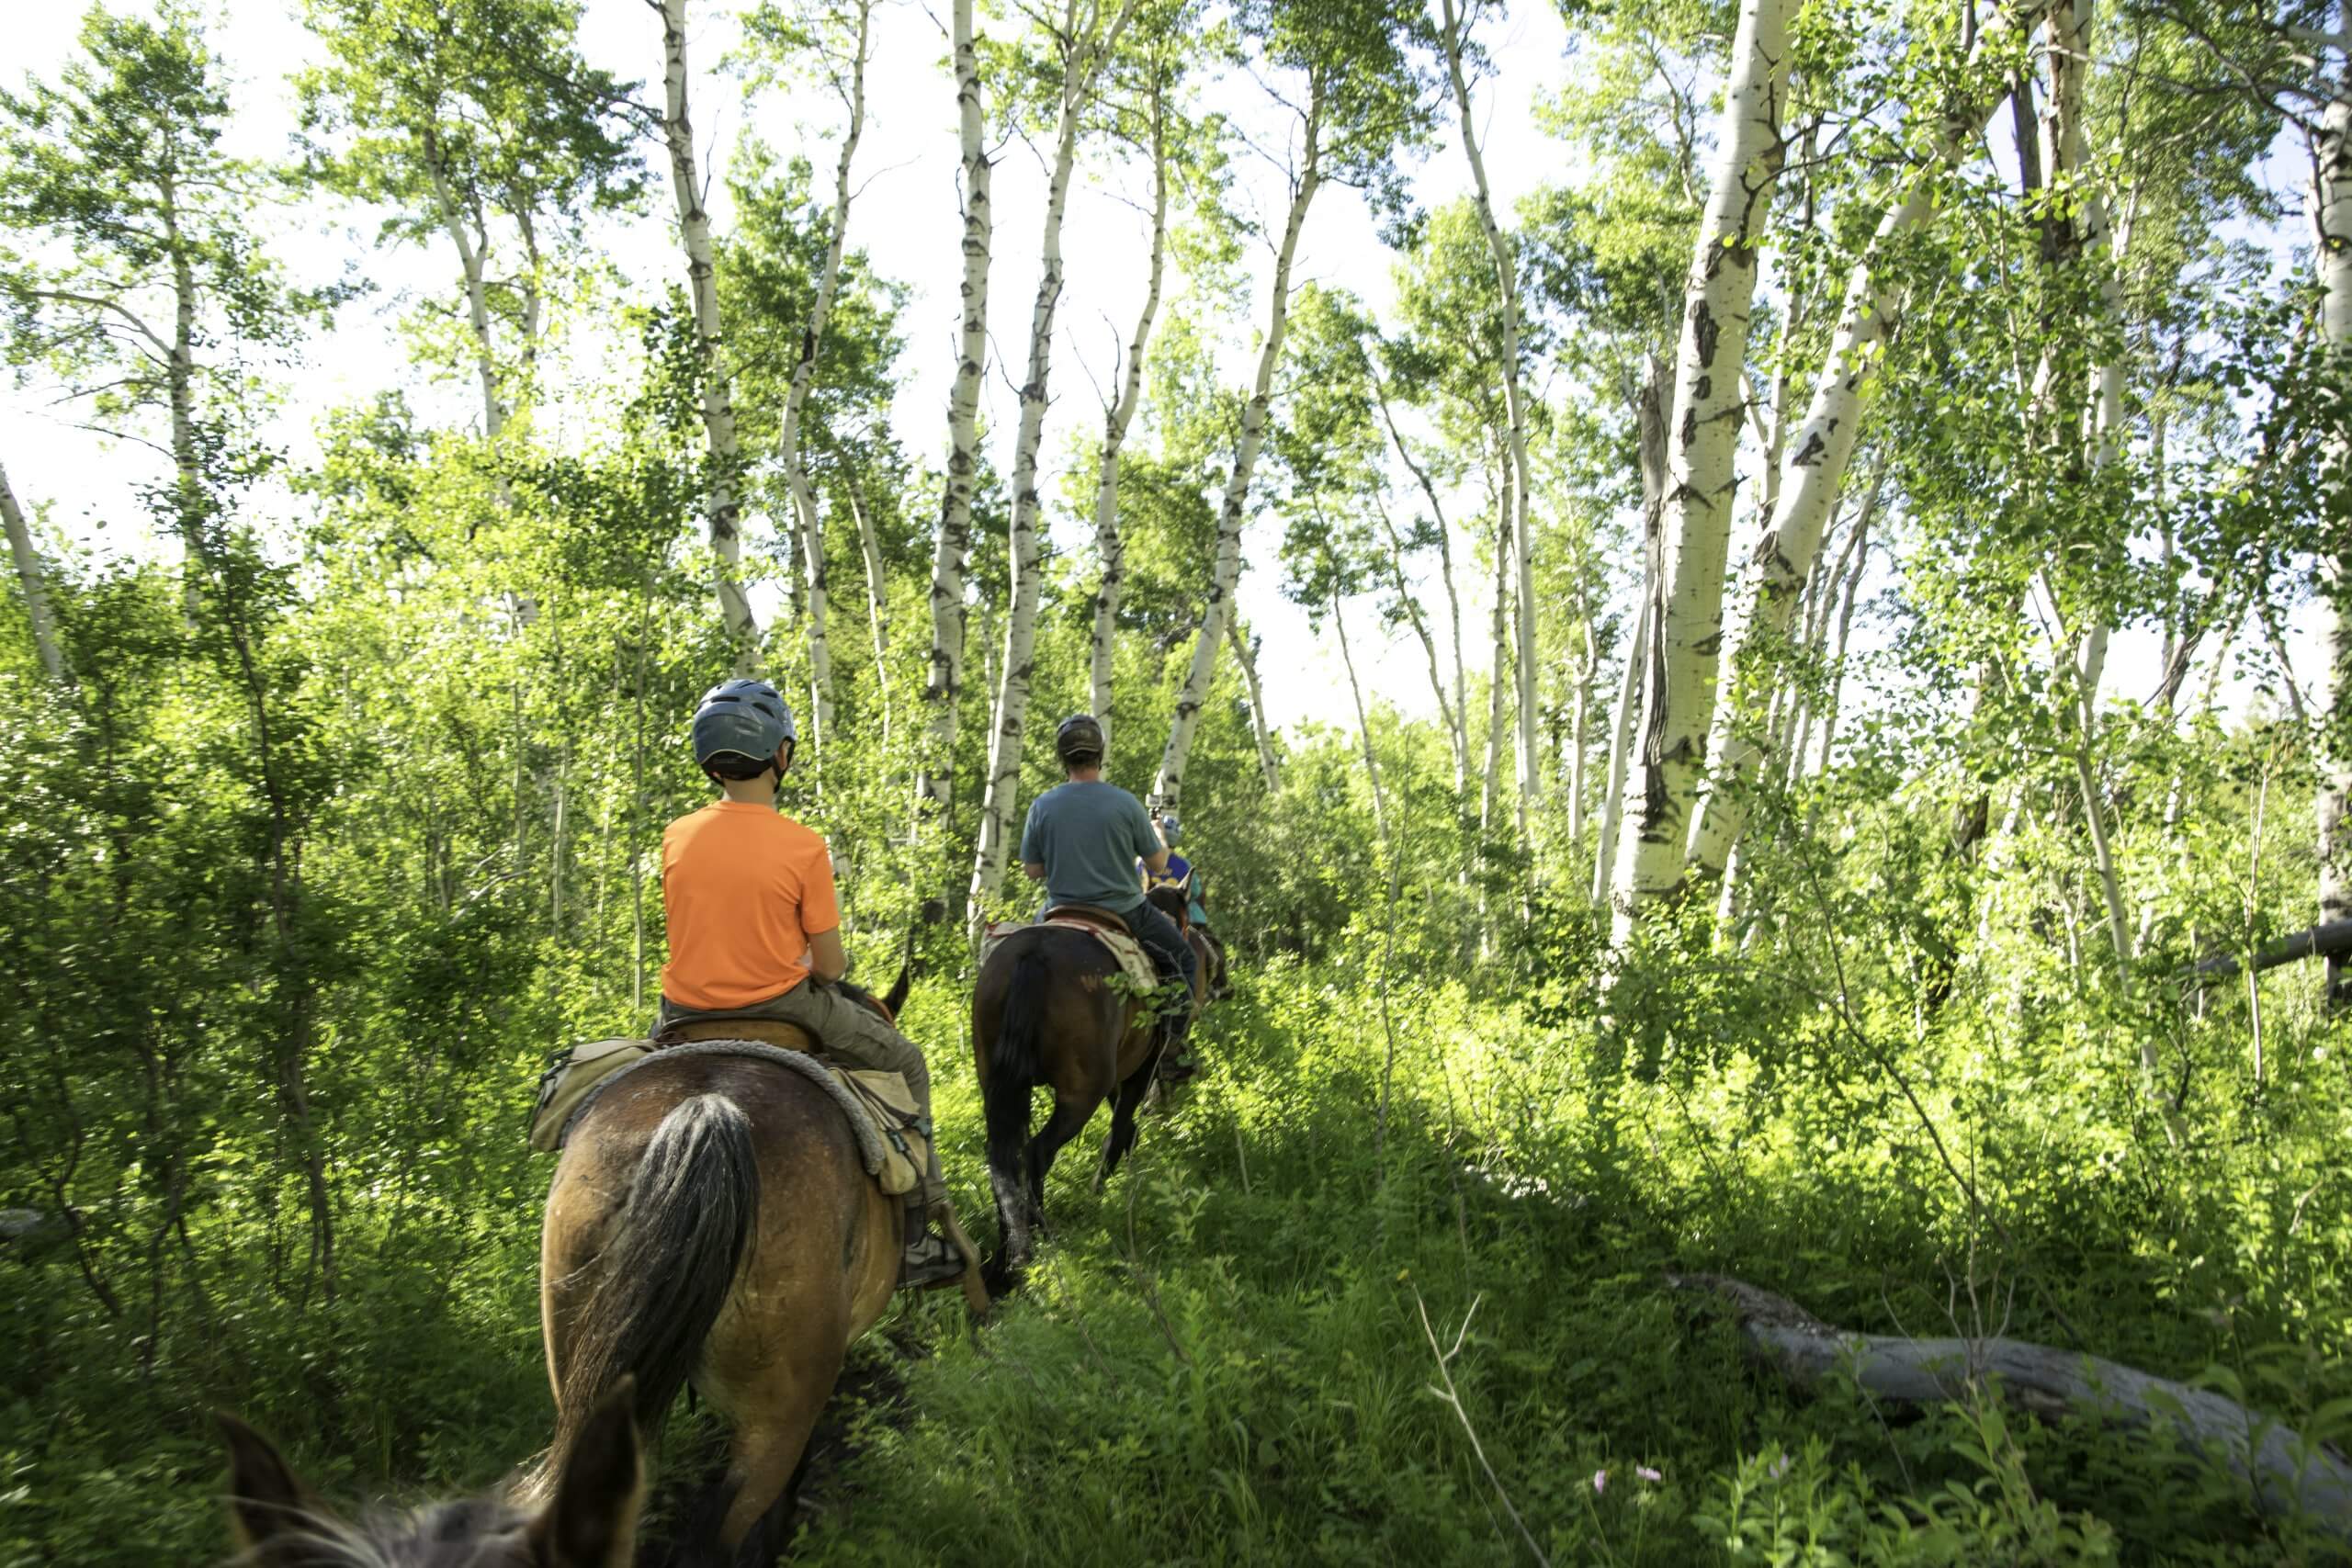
[820, 907]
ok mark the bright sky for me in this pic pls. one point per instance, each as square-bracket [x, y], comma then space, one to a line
[906, 217]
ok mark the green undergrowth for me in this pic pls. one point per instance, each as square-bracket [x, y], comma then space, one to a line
[1241, 1351]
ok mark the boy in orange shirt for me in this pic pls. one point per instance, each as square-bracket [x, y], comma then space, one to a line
[755, 926]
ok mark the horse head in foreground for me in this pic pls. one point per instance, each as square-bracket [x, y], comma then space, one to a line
[589, 1521]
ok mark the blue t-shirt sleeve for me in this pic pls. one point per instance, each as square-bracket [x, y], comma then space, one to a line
[1032, 852]
[1146, 841]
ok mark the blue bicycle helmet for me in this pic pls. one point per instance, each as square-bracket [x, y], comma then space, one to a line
[742, 718]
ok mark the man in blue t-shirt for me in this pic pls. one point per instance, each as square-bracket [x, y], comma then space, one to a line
[1082, 841]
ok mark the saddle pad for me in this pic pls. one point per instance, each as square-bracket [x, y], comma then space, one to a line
[1132, 958]
[893, 1141]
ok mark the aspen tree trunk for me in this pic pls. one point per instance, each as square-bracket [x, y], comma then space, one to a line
[179, 376]
[1829, 707]
[2331, 206]
[1649, 426]
[1086, 51]
[1514, 407]
[1261, 731]
[724, 451]
[1620, 740]
[1168, 788]
[1814, 468]
[1395, 564]
[1458, 725]
[1488, 782]
[1107, 542]
[943, 691]
[796, 398]
[30, 579]
[1581, 722]
[472, 263]
[877, 601]
[1710, 388]
[1364, 722]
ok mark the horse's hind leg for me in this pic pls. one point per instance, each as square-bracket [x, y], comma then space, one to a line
[1123, 1107]
[773, 1413]
[1067, 1122]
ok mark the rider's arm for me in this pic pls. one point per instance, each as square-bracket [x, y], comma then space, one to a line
[1035, 869]
[828, 961]
[1156, 862]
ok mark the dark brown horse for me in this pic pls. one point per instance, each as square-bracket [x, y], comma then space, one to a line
[1053, 1007]
[712, 1220]
[590, 1521]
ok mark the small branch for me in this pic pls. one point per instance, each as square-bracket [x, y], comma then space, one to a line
[1451, 1396]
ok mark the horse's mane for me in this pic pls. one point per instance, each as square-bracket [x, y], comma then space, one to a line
[442, 1535]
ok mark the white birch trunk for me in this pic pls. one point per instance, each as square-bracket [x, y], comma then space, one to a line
[2330, 208]
[472, 263]
[1621, 741]
[1514, 407]
[878, 603]
[30, 577]
[1814, 468]
[1702, 435]
[1363, 724]
[1458, 716]
[1261, 731]
[1395, 562]
[796, 398]
[724, 509]
[1167, 789]
[943, 689]
[1087, 49]
[1489, 775]
[1107, 542]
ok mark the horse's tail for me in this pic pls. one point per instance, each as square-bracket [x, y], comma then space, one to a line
[673, 1251]
[1014, 1065]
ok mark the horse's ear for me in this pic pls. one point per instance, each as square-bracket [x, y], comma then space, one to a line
[592, 1523]
[265, 1501]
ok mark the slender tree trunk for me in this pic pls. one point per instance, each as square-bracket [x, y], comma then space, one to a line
[1363, 721]
[878, 599]
[32, 581]
[1514, 402]
[1261, 729]
[1107, 542]
[1861, 547]
[1168, 788]
[1458, 728]
[471, 260]
[943, 689]
[1395, 562]
[1814, 466]
[1490, 775]
[1082, 63]
[188, 501]
[1710, 386]
[1580, 723]
[723, 450]
[2330, 208]
[1620, 740]
[796, 398]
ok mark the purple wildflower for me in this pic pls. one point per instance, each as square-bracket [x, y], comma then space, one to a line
[1600, 1481]
[1646, 1473]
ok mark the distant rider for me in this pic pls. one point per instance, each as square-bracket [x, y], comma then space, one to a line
[1082, 841]
[755, 925]
[1181, 872]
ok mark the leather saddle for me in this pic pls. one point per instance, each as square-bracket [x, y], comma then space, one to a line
[1090, 915]
[765, 1030]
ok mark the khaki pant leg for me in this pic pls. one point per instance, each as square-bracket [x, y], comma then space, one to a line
[859, 1036]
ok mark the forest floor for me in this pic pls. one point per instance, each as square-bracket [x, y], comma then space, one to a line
[1232, 1356]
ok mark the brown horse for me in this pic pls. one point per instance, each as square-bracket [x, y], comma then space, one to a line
[712, 1220]
[590, 1521]
[1052, 1009]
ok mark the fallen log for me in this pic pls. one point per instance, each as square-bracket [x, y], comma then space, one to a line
[2287, 1475]
[2330, 940]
